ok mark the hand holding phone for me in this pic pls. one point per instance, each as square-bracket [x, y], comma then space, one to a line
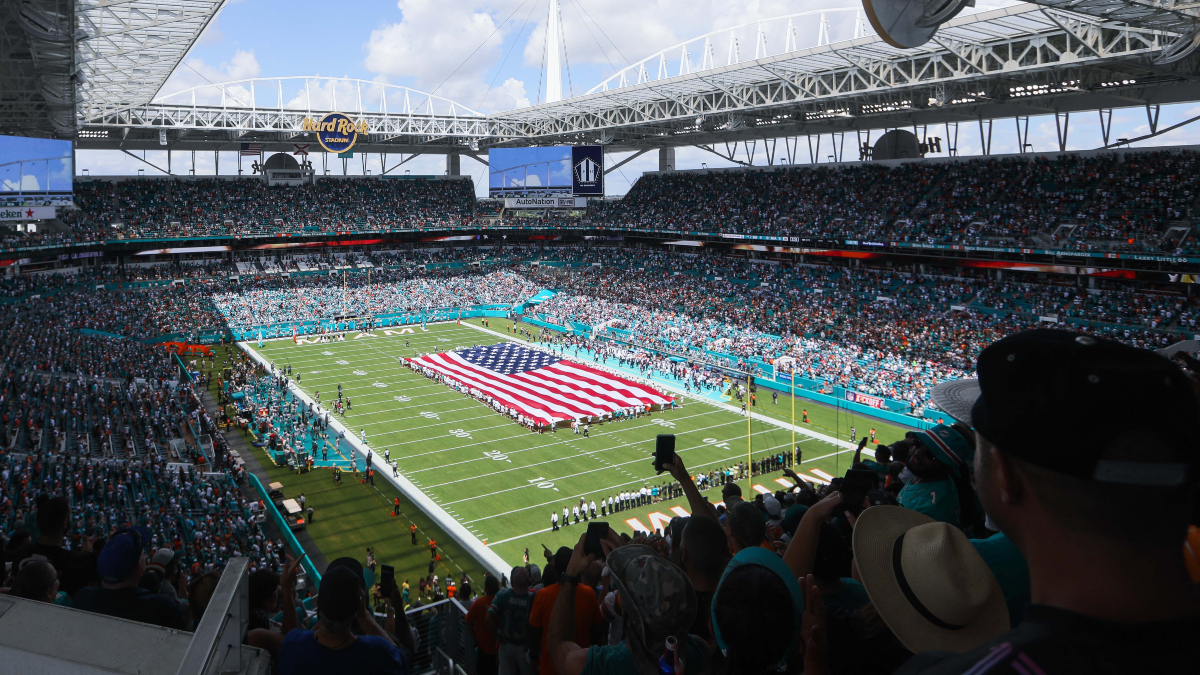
[855, 486]
[664, 451]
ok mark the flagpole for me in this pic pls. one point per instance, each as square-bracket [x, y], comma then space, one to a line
[749, 459]
[793, 413]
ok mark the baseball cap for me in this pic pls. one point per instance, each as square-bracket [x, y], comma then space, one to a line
[1060, 400]
[657, 596]
[354, 566]
[121, 554]
[340, 594]
[950, 448]
[163, 557]
[774, 508]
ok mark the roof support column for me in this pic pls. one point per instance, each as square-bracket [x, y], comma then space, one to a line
[666, 159]
[1062, 124]
[453, 164]
[1105, 123]
[985, 141]
[952, 139]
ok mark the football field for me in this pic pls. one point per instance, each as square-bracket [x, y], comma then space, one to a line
[501, 481]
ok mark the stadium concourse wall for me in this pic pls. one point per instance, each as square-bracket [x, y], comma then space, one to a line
[490, 560]
[839, 398]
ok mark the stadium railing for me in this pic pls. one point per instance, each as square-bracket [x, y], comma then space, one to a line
[289, 538]
[186, 375]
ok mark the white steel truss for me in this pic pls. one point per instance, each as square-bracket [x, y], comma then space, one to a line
[126, 49]
[1008, 62]
[989, 58]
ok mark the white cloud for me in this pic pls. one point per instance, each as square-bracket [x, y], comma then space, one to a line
[433, 38]
[28, 182]
[509, 95]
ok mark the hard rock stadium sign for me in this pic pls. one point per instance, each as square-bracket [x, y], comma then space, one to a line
[335, 132]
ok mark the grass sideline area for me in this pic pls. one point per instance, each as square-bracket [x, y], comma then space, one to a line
[500, 480]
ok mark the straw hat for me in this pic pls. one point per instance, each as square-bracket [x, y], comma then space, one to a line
[927, 581]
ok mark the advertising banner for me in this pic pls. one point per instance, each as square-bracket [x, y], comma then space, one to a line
[26, 212]
[545, 202]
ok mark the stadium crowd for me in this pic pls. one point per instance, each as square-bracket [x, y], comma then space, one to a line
[956, 550]
[877, 331]
[116, 494]
[1107, 202]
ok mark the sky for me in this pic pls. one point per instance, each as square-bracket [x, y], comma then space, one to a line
[488, 55]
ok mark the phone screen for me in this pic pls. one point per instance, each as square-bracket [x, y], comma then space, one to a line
[387, 579]
[855, 486]
[664, 451]
[597, 530]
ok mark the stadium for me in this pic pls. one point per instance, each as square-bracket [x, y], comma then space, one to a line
[422, 352]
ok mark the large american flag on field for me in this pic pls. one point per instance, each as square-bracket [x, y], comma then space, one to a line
[538, 384]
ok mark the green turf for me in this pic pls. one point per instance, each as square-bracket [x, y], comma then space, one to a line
[502, 481]
[353, 516]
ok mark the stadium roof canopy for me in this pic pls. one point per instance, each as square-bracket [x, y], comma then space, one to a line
[64, 63]
[1063, 56]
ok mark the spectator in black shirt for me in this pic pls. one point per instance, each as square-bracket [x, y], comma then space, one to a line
[53, 522]
[1088, 460]
[121, 564]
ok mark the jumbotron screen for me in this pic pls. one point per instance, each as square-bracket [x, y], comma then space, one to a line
[35, 171]
[558, 170]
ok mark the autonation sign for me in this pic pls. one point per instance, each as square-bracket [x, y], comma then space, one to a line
[545, 202]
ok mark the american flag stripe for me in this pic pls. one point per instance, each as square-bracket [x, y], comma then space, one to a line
[558, 390]
[596, 377]
[524, 395]
[601, 395]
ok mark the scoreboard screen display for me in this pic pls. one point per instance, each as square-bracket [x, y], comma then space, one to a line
[559, 170]
[35, 171]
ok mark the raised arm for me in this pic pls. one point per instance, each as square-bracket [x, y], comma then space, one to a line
[700, 505]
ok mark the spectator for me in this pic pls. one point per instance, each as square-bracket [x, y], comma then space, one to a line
[36, 580]
[508, 620]
[705, 553]
[264, 598]
[657, 604]
[587, 613]
[932, 491]
[334, 646]
[486, 653]
[1087, 458]
[120, 565]
[926, 581]
[756, 614]
[53, 523]
[747, 528]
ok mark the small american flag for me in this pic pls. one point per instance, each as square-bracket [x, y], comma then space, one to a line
[251, 149]
[540, 385]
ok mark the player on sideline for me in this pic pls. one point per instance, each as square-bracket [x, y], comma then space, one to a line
[554, 521]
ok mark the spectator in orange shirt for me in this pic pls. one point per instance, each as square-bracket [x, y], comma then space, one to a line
[587, 612]
[486, 661]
